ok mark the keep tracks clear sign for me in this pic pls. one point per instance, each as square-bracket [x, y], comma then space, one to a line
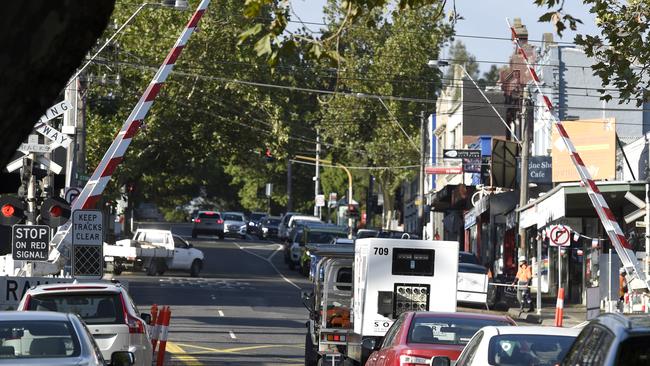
[87, 244]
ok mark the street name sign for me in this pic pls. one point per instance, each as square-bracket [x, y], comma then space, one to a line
[37, 148]
[87, 227]
[30, 242]
[461, 154]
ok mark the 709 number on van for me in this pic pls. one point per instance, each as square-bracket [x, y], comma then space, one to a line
[381, 251]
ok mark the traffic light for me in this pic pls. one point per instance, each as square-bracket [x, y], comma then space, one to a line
[55, 212]
[12, 210]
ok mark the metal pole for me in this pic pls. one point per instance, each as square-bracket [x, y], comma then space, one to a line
[646, 266]
[317, 177]
[525, 151]
[539, 275]
[289, 200]
[423, 150]
[31, 192]
[68, 120]
[559, 268]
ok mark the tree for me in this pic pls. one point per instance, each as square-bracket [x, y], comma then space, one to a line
[490, 77]
[622, 51]
[459, 55]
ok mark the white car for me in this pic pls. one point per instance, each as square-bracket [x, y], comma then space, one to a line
[234, 224]
[109, 312]
[515, 346]
[47, 338]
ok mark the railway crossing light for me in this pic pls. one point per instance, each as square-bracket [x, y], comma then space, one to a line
[12, 210]
[55, 212]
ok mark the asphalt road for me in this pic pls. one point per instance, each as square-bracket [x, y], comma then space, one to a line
[244, 309]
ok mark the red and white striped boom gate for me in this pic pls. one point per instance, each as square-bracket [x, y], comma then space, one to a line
[115, 154]
[620, 243]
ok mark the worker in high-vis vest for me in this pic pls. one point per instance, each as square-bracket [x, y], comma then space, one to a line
[523, 279]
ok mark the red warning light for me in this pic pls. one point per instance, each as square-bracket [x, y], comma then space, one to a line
[8, 210]
[56, 211]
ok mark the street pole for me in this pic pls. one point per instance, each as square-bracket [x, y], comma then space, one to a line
[423, 150]
[289, 200]
[525, 152]
[646, 267]
[539, 275]
[370, 205]
[31, 192]
[317, 177]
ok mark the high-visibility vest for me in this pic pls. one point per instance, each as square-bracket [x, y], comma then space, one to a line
[524, 274]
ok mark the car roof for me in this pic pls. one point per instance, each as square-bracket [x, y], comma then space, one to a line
[533, 330]
[75, 287]
[233, 212]
[424, 314]
[304, 217]
[626, 322]
[34, 315]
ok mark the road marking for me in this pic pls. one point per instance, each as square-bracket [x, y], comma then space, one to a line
[232, 335]
[182, 356]
[208, 350]
[275, 252]
[220, 313]
[271, 264]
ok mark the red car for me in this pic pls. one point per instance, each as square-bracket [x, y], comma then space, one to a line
[416, 337]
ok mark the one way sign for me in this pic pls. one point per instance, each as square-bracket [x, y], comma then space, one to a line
[58, 138]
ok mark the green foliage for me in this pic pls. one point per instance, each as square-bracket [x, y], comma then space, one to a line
[621, 48]
[459, 55]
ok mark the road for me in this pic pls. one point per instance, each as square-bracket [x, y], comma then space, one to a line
[244, 309]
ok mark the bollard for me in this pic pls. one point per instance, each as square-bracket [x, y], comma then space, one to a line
[154, 314]
[559, 307]
[155, 334]
[164, 331]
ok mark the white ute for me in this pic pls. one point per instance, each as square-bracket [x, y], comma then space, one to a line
[156, 251]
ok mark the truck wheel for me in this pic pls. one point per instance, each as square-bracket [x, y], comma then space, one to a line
[196, 268]
[153, 268]
[193, 234]
[221, 236]
[311, 356]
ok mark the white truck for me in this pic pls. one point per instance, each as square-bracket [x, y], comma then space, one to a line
[155, 251]
[389, 277]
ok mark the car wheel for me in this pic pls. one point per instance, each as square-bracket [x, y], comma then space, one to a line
[195, 269]
[221, 236]
[193, 234]
[311, 356]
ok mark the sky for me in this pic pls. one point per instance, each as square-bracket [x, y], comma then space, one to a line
[485, 18]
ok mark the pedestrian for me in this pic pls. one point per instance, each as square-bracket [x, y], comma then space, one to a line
[622, 284]
[522, 279]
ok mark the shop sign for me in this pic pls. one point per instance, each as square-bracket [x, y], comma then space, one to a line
[539, 169]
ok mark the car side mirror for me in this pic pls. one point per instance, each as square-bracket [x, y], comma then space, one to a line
[146, 317]
[122, 358]
[370, 344]
[440, 361]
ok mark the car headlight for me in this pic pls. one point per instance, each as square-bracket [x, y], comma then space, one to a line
[265, 229]
[251, 224]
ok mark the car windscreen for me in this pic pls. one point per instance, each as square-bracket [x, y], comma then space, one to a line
[209, 215]
[272, 222]
[447, 330]
[319, 237]
[233, 217]
[256, 216]
[528, 349]
[38, 339]
[153, 236]
[467, 258]
[94, 308]
[634, 351]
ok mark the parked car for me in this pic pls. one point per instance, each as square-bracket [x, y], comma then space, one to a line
[269, 227]
[473, 279]
[48, 338]
[318, 235]
[292, 249]
[283, 233]
[255, 223]
[234, 224]
[301, 220]
[107, 309]
[207, 222]
[315, 258]
[416, 337]
[515, 346]
[612, 339]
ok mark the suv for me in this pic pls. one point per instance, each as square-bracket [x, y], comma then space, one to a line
[283, 233]
[612, 339]
[207, 222]
[108, 310]
[255, 223]
[234, 224]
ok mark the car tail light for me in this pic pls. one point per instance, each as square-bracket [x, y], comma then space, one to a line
[28, 299]
[136, 326]
[197, 220]
[220, 221]
[409, 360]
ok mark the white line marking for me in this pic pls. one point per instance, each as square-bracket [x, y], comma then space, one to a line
[271, 264]
[220, 313]
[232, 335]
[277, 250]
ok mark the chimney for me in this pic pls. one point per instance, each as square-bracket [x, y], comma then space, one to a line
[547, 40]
[521, 30]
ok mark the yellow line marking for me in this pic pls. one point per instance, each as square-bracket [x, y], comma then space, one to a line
[180, 354]
[231, 350]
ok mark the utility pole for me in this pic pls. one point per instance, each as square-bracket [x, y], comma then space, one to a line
[525, 152]
[289, 179]
[370, 205]
[423, 149]
[317, 177]
[647, 211]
